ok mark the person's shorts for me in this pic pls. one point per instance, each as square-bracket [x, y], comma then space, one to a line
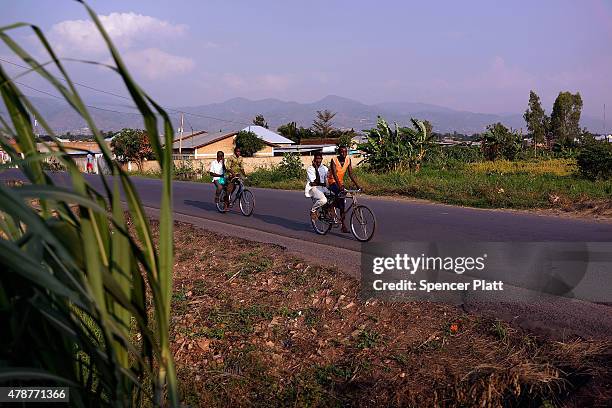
[335, 190]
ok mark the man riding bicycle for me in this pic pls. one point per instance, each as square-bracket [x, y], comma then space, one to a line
[340, 165]
[316, 184]
[235, 168]
[217, 171]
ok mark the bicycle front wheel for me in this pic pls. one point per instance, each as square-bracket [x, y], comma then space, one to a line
[220, 204]
[323, 223]
[363, 223]
[247, 203]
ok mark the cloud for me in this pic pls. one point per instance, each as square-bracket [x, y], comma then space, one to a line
[80, 38]
[154, 63]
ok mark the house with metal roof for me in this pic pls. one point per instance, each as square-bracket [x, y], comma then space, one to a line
[268, 136]
[206, 145]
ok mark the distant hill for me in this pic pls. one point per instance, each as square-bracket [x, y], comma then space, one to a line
[350, 114]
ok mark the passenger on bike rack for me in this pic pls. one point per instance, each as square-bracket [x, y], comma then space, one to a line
[335, 179]
[235, 168]
[217, 171]
[315, 184]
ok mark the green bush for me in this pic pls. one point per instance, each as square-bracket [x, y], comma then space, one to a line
[290, 169]
[595, 161]
[291, 166]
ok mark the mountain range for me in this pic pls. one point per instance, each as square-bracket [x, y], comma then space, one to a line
[237, 113]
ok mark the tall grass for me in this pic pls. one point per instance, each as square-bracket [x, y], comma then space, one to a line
[83, 302]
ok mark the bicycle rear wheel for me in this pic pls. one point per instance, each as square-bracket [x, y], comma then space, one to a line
[363, 223]
[219, 204]
[322, 224]
[247, 203]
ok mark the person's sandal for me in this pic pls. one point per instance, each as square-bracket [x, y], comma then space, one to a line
[314, 216]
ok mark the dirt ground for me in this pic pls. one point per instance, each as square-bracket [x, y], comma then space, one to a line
[254, 326]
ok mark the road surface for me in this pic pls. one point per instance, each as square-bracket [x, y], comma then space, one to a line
[281, 217]
[286, 213]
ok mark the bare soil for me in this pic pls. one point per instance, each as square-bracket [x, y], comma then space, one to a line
[255, 326]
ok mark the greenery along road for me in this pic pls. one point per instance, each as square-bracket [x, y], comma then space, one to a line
[523, 184]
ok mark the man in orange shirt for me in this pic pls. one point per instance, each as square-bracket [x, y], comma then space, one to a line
[340, 165]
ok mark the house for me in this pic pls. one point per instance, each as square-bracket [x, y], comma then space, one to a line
[269, 136]
[206, 145]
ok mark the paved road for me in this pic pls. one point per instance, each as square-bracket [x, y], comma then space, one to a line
[286, 213]
[283, 218]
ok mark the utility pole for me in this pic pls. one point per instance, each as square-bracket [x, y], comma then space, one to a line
[181, 135]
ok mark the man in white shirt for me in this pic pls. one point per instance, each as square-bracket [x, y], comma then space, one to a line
[315, 184]
[217, 171]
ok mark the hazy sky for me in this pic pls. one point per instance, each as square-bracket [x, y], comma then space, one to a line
[481, 56]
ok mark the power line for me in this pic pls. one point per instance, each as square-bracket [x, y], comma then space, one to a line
[129, 99]
[89, 106]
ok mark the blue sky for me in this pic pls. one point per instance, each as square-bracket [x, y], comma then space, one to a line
[480, 56]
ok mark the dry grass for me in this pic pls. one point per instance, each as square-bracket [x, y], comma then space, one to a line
[252, 326]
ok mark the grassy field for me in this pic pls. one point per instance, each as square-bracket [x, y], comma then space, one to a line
[499, 184]
[254, 326]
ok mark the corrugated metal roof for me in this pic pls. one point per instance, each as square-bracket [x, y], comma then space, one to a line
[203, 139]
[268, 135]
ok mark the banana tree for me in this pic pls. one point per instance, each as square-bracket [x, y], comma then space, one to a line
[420, 140]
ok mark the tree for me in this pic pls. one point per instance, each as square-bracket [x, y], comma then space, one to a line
[290, 131]
[565, 118]
[249, 143]
[132, 145]
[296, 134]
[537, 121]
[428, 127]
[323, 125]
[260, 121]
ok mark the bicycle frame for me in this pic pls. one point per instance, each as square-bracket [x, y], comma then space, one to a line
[237, 193]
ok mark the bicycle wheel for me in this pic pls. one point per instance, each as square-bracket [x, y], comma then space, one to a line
[219, 204]
[322, 224]
[363, 223]
[247, 203]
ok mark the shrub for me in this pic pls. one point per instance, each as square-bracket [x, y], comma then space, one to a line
[249, 143]
[451, 156]
[291, 166]
[185, 170]
[595, 160]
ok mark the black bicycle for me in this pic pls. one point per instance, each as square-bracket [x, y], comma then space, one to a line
[245, 198]
[362, 220]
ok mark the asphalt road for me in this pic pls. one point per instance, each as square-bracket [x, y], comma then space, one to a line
[285, 213]
[281, 217]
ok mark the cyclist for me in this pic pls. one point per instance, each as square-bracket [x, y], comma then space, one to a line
[235, 168]
[315, 184]
[340, 165]
[217, 171]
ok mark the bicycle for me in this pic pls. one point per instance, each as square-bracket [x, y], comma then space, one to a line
[245, 198]
[362, 219]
